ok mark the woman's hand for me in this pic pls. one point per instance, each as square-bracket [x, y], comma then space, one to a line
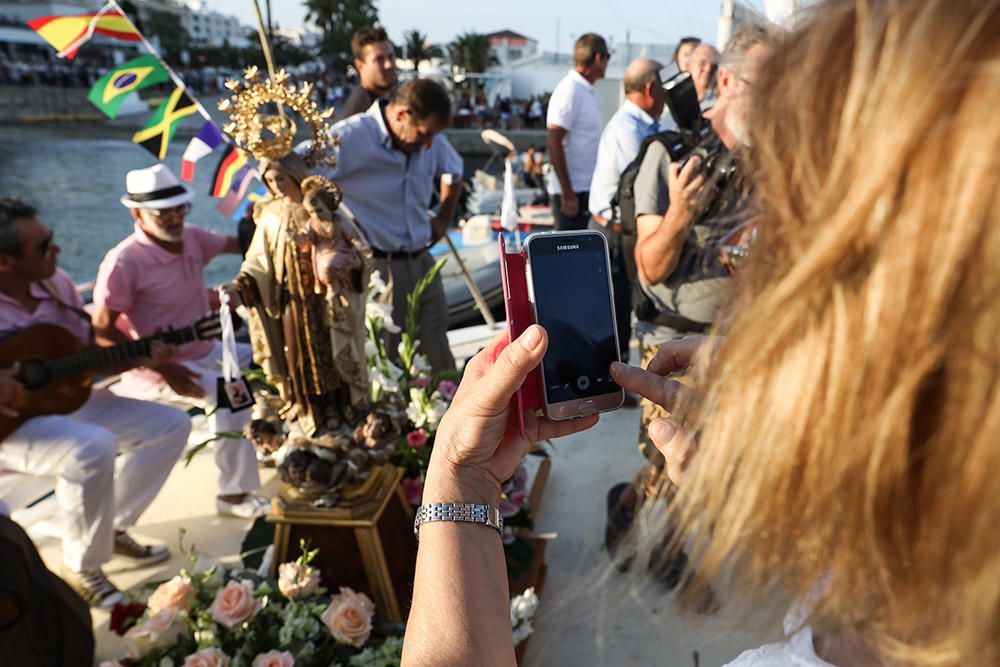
[668, 436]
[479, 443]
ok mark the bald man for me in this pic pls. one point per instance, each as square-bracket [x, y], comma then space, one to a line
[702, 64]
[620, 141]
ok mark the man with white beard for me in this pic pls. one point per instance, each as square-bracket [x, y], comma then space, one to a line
[683, 212]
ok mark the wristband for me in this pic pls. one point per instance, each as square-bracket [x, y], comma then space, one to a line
[469, 512]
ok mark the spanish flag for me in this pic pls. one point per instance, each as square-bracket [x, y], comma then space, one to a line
[226, 171]
[159, 130]
[108, 92]
[67, 34]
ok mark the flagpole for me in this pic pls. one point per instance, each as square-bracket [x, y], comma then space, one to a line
[477, 296]
[170, 70]
[265, 46]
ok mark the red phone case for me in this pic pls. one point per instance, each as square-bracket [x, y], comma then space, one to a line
[519, 318]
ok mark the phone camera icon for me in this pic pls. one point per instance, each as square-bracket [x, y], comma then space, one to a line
[583, 383]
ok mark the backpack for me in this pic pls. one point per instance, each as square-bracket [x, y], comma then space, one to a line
[623, 205]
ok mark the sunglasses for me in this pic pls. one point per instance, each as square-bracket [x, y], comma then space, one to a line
[173, 210]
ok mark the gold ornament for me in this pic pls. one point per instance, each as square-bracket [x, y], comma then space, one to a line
[317, 182]
[270, 136]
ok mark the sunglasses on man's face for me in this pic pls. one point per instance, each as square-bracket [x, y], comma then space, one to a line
[173, 210]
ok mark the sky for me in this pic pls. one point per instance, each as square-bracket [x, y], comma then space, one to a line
[554, 23]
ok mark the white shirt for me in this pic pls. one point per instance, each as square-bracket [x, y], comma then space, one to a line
[573, 107]
[386, 190]
[619, 145]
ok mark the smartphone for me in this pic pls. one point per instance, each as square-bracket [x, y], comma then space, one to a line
[569, 287]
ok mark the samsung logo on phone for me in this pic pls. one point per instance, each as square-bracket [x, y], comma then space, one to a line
[568, 246]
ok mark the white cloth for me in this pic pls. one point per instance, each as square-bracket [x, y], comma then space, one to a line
[573, 107]
[234, 457]
[620, 143]
[97, 493]
[795, 651]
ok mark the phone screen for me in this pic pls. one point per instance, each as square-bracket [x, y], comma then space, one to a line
[572, 298]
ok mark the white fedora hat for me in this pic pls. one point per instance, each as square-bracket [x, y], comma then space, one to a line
[154, 187]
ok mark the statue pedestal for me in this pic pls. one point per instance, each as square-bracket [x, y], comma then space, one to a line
[365, 542]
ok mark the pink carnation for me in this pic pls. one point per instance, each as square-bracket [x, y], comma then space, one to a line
[417, 439]
[414, 489]
[447, 389]
[419, 382]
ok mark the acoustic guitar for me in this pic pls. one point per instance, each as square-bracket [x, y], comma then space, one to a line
[56, 368]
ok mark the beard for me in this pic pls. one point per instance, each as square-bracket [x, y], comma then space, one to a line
[162, 234]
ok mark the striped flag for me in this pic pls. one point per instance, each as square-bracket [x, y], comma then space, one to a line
[227, 169]
[209, 138]
[256, 193]
[67, 34]
[240, 184]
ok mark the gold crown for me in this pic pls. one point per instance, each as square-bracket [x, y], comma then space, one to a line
[323, 183]
[270, 136]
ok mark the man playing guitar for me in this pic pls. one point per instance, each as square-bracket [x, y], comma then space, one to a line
[98, 496]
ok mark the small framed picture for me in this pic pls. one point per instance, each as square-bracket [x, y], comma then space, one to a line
[234, 395]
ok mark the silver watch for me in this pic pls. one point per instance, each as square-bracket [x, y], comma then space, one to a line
[484, 514]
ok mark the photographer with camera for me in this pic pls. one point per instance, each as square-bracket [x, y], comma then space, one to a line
[689, 194]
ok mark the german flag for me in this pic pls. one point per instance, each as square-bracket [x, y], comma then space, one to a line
[108, 92]
[67, 34]
[226, 171]
[156, 135]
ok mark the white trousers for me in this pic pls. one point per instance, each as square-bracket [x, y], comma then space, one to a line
[95, 491]
[235, 458]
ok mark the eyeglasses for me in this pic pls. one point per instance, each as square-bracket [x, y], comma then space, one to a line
[173, 210]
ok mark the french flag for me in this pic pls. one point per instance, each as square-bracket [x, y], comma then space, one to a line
[209, 138]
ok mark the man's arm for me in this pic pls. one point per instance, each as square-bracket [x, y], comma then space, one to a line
[451, 193]
[232, 246]
[557, 156]
[180, 379]
[659, 239]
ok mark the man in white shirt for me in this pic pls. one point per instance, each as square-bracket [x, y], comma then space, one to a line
[574, 129]
[619, 146]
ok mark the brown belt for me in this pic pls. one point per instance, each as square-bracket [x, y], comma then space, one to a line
[615, 227]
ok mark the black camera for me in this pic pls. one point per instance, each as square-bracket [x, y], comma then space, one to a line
[694, 135]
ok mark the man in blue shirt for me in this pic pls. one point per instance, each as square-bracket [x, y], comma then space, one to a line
[388, 161]
[620, 141]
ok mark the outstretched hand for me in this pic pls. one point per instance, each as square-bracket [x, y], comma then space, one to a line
[479, 443]
[669, 437]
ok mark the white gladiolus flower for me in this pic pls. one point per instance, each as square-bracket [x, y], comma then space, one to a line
[376, 283]
[420, 365]
[435, 411]
[382, 314]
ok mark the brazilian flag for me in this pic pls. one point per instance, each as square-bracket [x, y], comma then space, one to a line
[157, 133]
[108, 93]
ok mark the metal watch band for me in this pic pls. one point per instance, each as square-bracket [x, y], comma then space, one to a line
[470, 512]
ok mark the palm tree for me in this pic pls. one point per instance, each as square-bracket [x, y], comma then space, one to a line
[417, 49]
[339, 19]
[471, 53]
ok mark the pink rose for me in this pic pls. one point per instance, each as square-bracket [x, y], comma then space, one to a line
[274, 659]
[173, 594]
[511, 505]
[111, 663]
[447, 389]
[207, 657]
[234, 604]
[416, 439]
[413, 488]
[349, 617]
[160, 630]
[297, 581]
[419, 382]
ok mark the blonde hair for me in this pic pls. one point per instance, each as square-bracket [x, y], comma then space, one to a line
[849, 432]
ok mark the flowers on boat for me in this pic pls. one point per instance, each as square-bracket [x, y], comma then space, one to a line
[297, 579]
[417, 439]
[207, 657]
[235, 603]
[173, 594]
[522, 613]
[274, 659]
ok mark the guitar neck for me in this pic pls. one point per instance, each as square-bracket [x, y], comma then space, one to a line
[97, 357]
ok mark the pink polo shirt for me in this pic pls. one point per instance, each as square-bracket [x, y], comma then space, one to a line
[14, 316]
[156, 289]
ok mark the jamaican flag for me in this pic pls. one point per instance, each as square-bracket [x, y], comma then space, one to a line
[108, 93]
[156, 135]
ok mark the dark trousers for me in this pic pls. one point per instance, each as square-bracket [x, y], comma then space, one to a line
[578, 221]
[620, 284]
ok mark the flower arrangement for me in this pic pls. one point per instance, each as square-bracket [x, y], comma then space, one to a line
[522, 613]
[209, 617]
